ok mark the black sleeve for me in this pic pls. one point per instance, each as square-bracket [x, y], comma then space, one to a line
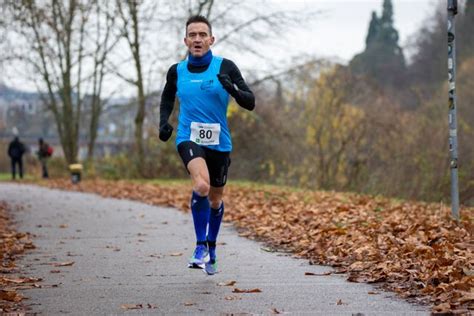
[244, 97]
[169, 94]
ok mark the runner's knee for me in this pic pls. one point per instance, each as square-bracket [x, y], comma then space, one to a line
[215, 201]
[202, 187]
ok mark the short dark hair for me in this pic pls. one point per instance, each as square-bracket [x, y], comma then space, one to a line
[198, 19]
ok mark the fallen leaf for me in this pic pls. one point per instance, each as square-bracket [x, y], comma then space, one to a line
[11, 296]
[227, 283]
[467, 271]
[467, 297]
[372, 293]
[63, 264]
[237, 290]
[245, 234]
[131, 306]
[189, 303]
[20, 281]
[176, 254]
[443, 308]
[63, 226]
[275, 311]
[318, 274]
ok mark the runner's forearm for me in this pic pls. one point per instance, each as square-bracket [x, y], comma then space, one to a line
[168, 96]
[243, 95]
[245, 99]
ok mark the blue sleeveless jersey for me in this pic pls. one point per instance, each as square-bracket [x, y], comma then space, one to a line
[202, 100]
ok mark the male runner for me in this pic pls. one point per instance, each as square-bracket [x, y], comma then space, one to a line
[203, 84]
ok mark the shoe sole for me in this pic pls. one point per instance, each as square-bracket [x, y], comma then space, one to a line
[196, 265]
[209, 273]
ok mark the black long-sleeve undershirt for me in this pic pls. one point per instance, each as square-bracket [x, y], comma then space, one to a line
[243, 96]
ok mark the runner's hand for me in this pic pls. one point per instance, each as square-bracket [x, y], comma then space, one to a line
[227, 83]
[165, 131]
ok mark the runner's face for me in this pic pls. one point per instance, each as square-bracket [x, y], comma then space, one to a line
[198, 40]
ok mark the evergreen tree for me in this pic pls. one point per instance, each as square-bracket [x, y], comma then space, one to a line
[374, 27]
[387, 14]
[382, 60]
[388, 35]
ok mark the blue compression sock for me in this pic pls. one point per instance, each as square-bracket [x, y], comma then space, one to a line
[215, 220]
[212, 251]
[200, 209]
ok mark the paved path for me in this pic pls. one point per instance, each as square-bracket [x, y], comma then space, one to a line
[127, 252]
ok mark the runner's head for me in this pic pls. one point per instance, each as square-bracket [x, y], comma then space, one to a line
[198, 35]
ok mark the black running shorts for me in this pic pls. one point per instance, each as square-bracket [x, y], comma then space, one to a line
[217, 162]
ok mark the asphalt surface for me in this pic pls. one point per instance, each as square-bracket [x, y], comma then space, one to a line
[126, 252]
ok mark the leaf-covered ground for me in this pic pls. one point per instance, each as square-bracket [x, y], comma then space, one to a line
[12, 244]
[414, 249]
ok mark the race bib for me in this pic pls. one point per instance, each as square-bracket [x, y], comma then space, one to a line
[205, 133]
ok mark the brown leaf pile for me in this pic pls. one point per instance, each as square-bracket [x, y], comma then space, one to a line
[412, 248]
[12, 243]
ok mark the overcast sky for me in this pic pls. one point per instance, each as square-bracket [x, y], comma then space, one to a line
[338, 33]
[341, 29]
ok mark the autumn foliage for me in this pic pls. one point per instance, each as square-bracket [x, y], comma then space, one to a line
[12, 244]
[414, 249]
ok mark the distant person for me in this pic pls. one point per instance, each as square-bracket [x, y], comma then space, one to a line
[16, 149]
[203, 84]
[44, 152]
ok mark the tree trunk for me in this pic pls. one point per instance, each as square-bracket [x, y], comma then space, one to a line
[140, 116]
[96, 110]
[139, 119]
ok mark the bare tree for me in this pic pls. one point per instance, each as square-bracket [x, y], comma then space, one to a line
[54, 32]
[59, 37]
[244, 25]
[141, 20]
[132, 17]
[104, 41]
[65, 45]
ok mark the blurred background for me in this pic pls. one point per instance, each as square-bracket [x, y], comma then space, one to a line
[351, 95]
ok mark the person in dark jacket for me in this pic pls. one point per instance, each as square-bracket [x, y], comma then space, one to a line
[16, 149]
[43, 155]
